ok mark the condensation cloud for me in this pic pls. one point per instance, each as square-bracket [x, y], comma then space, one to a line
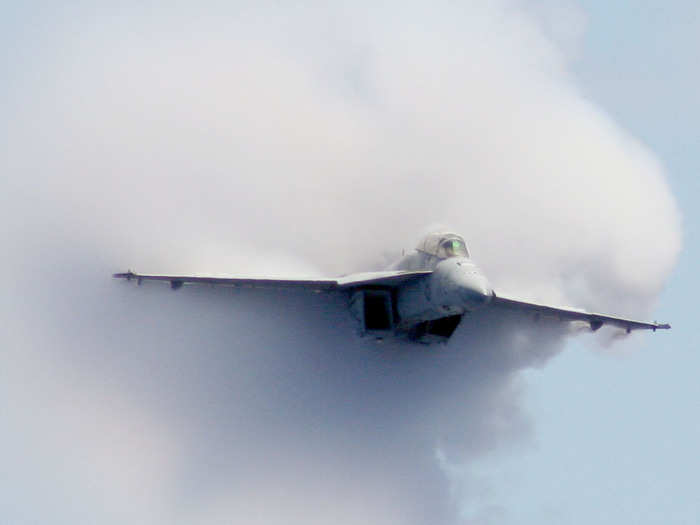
[270, 140]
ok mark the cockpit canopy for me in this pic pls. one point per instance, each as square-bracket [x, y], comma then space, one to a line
[443, 245]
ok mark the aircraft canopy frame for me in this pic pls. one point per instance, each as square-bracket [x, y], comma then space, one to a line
[433, 243]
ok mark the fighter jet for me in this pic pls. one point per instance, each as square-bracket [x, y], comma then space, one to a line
[422, 297]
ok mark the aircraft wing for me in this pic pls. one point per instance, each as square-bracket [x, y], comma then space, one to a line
[595, 320]
[389, 278]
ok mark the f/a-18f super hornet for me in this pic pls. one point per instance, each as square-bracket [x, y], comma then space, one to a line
[422, 297]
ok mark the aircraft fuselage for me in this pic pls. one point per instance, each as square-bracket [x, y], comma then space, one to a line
[455, 286]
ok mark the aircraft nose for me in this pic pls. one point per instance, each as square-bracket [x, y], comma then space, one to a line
[458, 284]
[474, 288]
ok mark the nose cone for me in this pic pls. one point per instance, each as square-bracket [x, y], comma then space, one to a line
[474, 288]
[459, 284]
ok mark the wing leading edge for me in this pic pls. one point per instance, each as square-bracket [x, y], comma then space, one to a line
[595, 320]
[392, 278]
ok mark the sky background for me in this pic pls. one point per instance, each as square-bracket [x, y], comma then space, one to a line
[559, 137]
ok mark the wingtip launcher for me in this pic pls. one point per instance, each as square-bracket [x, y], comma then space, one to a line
[129, 275]
[125, 275]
